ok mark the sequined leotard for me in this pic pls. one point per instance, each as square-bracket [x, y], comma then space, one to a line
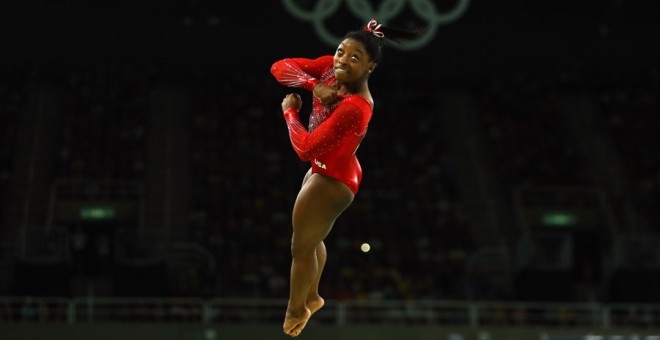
[335, 131]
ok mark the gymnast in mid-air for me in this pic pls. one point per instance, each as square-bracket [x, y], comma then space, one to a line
[341, 110]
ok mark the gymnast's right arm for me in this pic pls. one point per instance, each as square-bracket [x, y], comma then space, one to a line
[301, 72]
[309, 145]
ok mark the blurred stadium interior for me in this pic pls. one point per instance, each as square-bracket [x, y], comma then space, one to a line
[511, 176]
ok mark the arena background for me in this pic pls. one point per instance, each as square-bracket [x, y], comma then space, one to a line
[511, 178]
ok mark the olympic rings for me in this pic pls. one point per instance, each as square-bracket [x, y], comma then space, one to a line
[388, 9]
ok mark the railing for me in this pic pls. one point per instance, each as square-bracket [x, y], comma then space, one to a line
[243, 311]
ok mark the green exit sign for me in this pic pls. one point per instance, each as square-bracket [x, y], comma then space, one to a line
[559, 219]
[97, 213]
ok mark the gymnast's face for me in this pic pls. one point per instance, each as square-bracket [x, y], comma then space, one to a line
[352, 62]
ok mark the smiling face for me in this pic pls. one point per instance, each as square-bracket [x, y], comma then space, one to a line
[352, 63]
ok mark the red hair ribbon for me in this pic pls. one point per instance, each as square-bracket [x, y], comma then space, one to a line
[374, 27]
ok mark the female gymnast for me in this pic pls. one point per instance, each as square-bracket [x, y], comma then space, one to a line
[341, 110]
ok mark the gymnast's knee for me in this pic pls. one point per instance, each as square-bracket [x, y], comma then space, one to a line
[301, 249]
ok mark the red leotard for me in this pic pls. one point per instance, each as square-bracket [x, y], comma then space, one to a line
[335, 131]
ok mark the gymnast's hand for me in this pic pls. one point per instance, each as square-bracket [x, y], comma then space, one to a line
[292, 100]
[326, 94]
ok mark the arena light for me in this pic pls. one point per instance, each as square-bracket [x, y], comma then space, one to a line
[559, 219]
[365, 247]
[97, 213]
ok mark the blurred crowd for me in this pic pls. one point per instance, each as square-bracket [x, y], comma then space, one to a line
[12, 100]
[245, 177]
[630, 117]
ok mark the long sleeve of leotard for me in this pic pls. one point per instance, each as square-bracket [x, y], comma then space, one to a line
[301, 72]
[329, 134]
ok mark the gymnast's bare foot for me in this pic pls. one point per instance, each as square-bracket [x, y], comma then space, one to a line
[295, 321]
[315, 303]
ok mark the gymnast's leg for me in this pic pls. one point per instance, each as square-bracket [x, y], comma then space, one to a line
[320, 201]
[314, 300]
